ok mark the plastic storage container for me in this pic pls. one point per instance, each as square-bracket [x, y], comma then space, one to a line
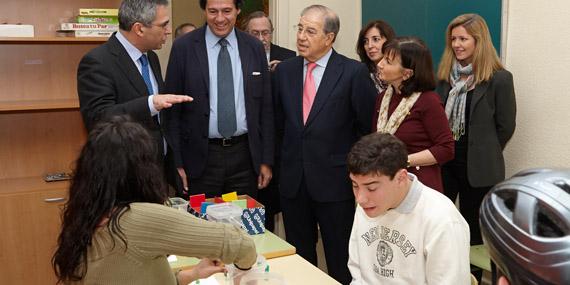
[178, 203]
[258, 274]
[225, 213]
[262, 278]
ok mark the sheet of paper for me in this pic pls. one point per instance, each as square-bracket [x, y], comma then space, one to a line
[208, 281]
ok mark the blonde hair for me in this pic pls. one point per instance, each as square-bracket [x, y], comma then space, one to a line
[485, 60]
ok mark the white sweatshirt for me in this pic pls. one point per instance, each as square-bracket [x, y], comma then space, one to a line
[425, 240]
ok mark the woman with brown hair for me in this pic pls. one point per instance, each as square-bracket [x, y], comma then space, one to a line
[369, 47]
[410, 109]
[479, 100]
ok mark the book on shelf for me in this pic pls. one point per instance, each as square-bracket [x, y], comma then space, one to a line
[98, 19]
[89, 27]
[9, 30]
[95, 34]
[98, 12]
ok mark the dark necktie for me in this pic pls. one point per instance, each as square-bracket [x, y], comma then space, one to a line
[146, 74]
[227, 125]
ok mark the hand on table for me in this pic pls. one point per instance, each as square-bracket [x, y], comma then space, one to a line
[204, 269]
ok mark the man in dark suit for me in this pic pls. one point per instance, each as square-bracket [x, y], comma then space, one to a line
[325, 103]
[260, 26]
[223, 141]
[123, 75]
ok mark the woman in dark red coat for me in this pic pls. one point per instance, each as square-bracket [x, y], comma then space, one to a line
[410, 109]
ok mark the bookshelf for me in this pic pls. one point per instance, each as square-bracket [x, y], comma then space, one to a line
[51, 40]
[38, 105]
[41, 131]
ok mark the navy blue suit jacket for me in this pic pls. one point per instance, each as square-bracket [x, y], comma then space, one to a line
[187, 127]
[280, 53]
[341, 113]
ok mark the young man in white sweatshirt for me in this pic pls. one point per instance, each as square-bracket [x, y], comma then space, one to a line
[404, 232]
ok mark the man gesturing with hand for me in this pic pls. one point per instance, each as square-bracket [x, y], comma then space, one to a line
[123, 76]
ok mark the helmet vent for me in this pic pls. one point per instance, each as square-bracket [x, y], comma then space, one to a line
[562, 185]
[549, 224]
[509, 198]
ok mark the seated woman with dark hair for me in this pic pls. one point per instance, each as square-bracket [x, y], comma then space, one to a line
[410, 109]
[117, 228]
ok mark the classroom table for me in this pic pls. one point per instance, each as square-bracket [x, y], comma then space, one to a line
[267, 244]
[292, 268]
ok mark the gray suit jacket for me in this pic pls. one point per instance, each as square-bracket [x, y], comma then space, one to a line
[491, 125]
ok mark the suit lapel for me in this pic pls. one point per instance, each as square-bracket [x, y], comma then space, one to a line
[127, 65]
[202, 55]
[273, 52]
[330, 78]
[297, 88]
[480, 89]
[245, 58]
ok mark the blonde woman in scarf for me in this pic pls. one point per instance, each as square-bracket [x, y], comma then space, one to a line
[410, 109]
[479, 100]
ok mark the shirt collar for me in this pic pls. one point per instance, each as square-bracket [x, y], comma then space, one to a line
[133, 52]
[212, 40]
[323, 61]
[412, 198]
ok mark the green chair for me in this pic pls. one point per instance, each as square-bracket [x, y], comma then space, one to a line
[479, 256]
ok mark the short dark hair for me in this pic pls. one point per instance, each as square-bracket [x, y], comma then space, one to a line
[182, 26]
[416, 56]
[141, 11]
[255, 15]
[377, 153]
[386, 31]
[237, 3]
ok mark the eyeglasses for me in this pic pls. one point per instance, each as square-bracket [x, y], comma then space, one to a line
[164, 25]
[310, 32]
[263, 33]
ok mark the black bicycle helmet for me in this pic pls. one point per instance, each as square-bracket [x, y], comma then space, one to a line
[525, 223]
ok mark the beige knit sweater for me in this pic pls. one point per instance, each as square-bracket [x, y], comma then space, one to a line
[152, 231]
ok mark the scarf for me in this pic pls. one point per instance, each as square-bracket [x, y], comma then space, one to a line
[391, 125]
[455, 105]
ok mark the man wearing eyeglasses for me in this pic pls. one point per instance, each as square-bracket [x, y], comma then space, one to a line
[324, 103]
[123, 76]
[260, 26]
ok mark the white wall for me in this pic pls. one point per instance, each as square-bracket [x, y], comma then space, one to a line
[538, 55]
[287, 14]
